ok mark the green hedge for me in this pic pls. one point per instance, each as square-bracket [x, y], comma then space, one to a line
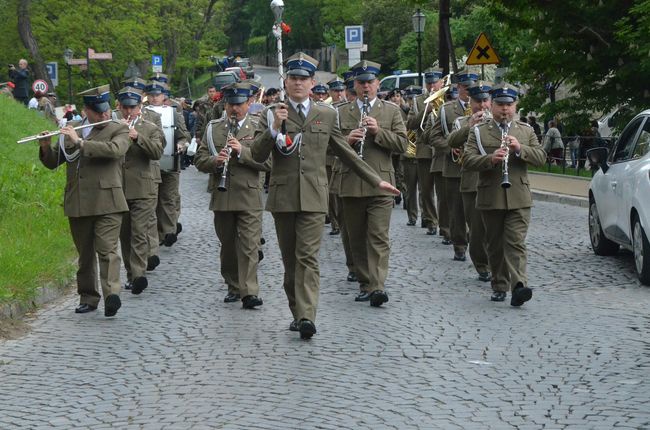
[37, 247]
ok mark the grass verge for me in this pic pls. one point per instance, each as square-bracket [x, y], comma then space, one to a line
[37, 248]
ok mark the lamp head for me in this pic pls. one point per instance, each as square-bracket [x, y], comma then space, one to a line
[277, 6]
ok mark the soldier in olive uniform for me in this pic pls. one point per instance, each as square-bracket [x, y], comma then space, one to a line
[236, 194]
[337, 92]
[368, 209]
[410, 166]
[153, 259]
[395, 96]
[319, 92]
[424, 152]
[350, 92]
[168, 209]
[449, 112]
[480, 102]
[94, 200]
[298, 188]
[140, 187]
[505, 210]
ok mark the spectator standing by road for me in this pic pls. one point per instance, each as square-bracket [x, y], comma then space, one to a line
[553, 145]
[20, 76]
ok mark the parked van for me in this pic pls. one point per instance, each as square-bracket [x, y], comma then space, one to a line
[399, 79]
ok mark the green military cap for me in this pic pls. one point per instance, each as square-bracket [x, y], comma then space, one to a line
[160, 77]
[504, 93]
[336, 84]
[97, 98]
[432, 75]
[480, 90]
[366, 70]
[301, 64]
[466, 76]
[129, 96]
[135, 83]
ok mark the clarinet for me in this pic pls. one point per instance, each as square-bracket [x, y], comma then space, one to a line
[224, 172]
[364, 114]
[505, 179]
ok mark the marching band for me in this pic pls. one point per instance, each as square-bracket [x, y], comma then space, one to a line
[335, 151]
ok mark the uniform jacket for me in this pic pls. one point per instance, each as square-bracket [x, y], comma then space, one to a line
[299, 181]
[438, 133]
[243, 175]
[141, 168]
[377, 149]
[457, 139]
[483, 140]
[94, 180]
[422, 149]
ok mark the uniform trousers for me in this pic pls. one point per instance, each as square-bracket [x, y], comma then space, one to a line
[134, 236]
[299, 237]
[96, 238]
[344, 234]
[169, 203]
[332, 211]
[443, 211]
[411, 181]
[477, 246]
[399, 172]
[426, 181]
[239, 233]
[457, 224]
[505, 233]
[368, 222]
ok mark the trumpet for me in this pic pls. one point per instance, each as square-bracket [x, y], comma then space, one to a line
[438, 99]
[364, 114]
[56, 133]
[505, 179]
[231, 135]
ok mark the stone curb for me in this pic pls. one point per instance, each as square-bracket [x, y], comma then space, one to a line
[565, 199]
[44, 295]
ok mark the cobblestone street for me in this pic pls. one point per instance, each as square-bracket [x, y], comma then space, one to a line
[439, 354]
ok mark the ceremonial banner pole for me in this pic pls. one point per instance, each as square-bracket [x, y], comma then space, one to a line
[283, 142]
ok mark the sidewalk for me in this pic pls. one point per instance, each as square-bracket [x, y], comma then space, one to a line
[570, 190]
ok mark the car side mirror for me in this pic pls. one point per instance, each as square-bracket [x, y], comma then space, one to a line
[598, 157]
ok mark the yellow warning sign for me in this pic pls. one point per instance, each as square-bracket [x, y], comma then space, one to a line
[482, 53]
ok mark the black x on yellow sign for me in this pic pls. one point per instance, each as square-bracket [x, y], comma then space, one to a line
[482, 52]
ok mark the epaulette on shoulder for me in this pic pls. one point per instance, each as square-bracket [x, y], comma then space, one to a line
[449, 103]
[388, 102]
[218, 120]
[146, 121]
[482, 124]
[327, 105]
[345, 103]
[523, 123]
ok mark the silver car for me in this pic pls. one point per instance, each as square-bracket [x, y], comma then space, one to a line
[246, 64]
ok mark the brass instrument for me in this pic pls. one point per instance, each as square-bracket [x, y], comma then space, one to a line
[487, 116]
[56, 133]
[505, 180]
[232, 125]
[364, 114]
[412, 137]
[438, 99]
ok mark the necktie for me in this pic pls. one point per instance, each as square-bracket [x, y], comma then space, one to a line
[301, 114]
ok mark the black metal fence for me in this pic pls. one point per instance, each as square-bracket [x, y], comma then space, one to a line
[572, 158]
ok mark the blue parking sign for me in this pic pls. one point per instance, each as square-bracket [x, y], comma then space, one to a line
[353, 36]
[156, 60]
[53, 72]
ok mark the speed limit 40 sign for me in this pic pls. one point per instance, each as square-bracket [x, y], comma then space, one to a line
[39, 85]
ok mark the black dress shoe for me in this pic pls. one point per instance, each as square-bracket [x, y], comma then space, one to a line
[294, 326]
[362, 297]
[249, 302]
[128, 285]
[84, 308]
[170, 239]
[398, 200]
[262, 240]
[378, 298]
[335, 231]
[423, 224]
[459, 256]
[431, 231]
[179, 228]
[327, 219]
[352, 277]
[484, 277]
[111, 305]
[498, 296]
[446, 241]
[520, 294]
[307, 329]
[139, 284]
[152, 262]
[260, 255]
[231, 298]
[411, 222]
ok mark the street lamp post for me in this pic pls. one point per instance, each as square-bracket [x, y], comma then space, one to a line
[418, 20]
[67, 55]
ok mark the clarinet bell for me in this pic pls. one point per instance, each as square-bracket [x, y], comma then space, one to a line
[222, 184]
[505, 183]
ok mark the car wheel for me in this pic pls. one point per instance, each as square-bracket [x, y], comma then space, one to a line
[600, 244]
[641, 252]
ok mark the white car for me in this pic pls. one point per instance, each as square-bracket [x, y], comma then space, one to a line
[619, 195]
